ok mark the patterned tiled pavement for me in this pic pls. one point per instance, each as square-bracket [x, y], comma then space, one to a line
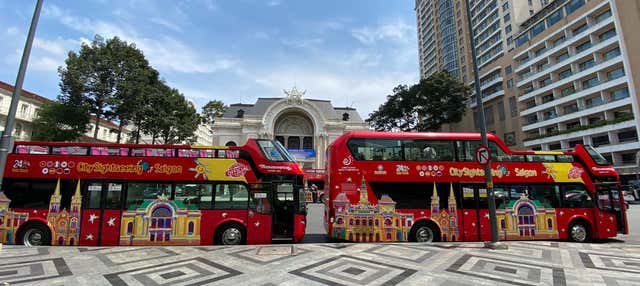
[524, 263]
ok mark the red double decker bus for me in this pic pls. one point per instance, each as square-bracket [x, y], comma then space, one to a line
[117, 194]
[428, 187]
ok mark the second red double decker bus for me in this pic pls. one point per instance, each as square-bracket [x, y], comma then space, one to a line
[427, 187]
[118, 194]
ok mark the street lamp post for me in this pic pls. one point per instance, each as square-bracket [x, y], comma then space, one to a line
[6, 139]
[483, 133]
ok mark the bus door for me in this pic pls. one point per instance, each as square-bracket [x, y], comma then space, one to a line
[472, 211]
[101, 212]
[284, 209]
[610, 210]
[259, 226]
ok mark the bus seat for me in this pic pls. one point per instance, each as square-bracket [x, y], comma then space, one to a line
[21, 149]
[124, 152]
[96, 151]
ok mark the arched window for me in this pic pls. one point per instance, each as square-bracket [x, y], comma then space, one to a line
[293, 142]
[503, 225]
[339, 220]
[129, 228]
[230, 143]
[191, 226]
[549, 224]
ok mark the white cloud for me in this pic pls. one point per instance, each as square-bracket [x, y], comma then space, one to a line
[395, 31]
[165, 53]
[167, 24]
[302, 43]
[12, 31]
[45, 63]
[273, 3]
[365, 91]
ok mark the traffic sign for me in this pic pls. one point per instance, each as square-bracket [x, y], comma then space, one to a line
[483, 156]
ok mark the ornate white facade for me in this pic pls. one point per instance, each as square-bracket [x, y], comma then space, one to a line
[300, 123]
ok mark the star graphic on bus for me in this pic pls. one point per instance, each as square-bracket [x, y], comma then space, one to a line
[89, 237]
[92, 217]
[111, 221]
[200, 169]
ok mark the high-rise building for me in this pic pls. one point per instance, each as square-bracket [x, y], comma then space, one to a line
[440, 42]
[576, 78]
[557, 73]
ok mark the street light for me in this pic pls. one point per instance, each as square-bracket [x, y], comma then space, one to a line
[493, 244]
[7, 138]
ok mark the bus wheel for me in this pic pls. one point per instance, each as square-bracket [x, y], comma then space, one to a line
[35, 234]
[230, 234]
[424, 232]
[578, 232]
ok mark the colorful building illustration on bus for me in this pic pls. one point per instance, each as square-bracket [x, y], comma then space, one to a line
[365, 222]
[160, 221]
[10, 220]
[447, 219]
[524, 219]
[65, 224]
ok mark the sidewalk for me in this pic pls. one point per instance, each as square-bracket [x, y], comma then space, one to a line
[524, 263]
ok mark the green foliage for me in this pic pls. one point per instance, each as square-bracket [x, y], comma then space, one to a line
[59, 122]
[169, 116]
[113, 80]
[212, 110]
[425, 106]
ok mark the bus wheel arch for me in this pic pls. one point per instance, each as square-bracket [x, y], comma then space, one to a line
[580, 230]
[424, 231]
[230, 233]
[34, 233]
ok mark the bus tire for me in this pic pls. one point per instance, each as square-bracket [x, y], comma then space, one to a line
[424, 231]
[231, 233]
[579, 231]
[34, 234]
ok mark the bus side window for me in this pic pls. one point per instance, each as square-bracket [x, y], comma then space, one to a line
[576, 196]
[547, 194]
[501, 195]
[113, 198]
[231, 196]
[91, 194]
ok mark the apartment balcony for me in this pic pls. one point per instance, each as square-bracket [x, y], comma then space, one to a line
[618, 147]
[486, 98]
[581, 133]
[567, 42]
[578, 114]
[495, 6]
[575, 96]
[575, 76]
[555, 67]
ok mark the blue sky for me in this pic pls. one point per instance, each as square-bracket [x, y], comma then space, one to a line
[350, 52]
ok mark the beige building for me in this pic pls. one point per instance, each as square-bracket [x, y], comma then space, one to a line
[558, 73]
[304, 126]
[28, 110]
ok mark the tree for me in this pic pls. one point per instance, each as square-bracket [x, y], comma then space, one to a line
[212, 110]
[134, 82]
[426, 106]
[58, 121]
[169, 116]
[109, 77]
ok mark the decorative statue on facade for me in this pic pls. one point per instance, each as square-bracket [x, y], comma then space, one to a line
[294, 96]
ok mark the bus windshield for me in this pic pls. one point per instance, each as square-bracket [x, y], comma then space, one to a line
[274, 151]
[596, 156]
